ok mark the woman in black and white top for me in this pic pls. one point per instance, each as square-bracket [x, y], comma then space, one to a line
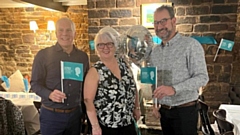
[110, 93]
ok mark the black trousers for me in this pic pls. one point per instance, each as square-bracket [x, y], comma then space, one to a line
[127, 130]
[179, 121]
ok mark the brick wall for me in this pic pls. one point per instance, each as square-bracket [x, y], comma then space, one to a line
[17, 49]
[217, 18]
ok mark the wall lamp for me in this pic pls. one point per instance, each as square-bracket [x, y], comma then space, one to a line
[33, 26]
[50, 28]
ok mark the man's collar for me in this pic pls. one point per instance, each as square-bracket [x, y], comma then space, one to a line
[173, 40]
[57, 47]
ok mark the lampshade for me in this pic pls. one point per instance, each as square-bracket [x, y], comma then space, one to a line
[33, 25]
[50, 26]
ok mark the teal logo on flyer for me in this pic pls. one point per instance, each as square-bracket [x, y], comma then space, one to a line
[226, 45]
[148, 75]
[72, 70]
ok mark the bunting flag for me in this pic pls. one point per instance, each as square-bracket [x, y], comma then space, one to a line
[225, 45]
[72, 71]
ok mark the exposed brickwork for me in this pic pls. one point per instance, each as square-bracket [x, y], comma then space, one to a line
[224, 9]
[187, 20]
[218, 1]
[131, 21]
[180, 12]
[218, 27]
[17, 49]
[109, 22]
[181, 2]
[120, 13]
[125, 3]
[202, 10]
[105, 4]
[209, 19]
[97, 13]
[185, 28]
[201, 27]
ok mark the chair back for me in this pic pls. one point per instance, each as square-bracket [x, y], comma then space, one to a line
[206, 125]
[37, 105]
[223, 124]
[233, 95]
[221, 113]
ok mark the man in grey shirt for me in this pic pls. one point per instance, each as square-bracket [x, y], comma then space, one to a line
[181, 66]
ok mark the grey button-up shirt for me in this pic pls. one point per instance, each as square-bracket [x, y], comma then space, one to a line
[180, 64]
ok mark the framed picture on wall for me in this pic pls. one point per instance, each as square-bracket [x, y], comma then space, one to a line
[147, 11]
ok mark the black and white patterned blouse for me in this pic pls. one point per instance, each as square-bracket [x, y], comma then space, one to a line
[114, 100]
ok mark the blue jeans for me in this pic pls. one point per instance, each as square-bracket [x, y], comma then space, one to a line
[54, 123]
[179, 121]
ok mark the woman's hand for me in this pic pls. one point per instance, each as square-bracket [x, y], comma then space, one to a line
[137, 113]
[96, 130]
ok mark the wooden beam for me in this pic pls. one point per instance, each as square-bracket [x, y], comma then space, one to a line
[47, 4]
[74, 3]
[60, 0]
[11, 4]
[69, 0]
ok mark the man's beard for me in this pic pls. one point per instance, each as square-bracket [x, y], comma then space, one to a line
[166, 36]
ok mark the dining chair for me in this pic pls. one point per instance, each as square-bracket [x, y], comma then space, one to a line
[38, 107]
[220, 113]
[233, 95]
[203, 111]
[223, 125]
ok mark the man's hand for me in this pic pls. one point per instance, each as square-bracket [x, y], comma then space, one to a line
[57, 96]
[163, 91]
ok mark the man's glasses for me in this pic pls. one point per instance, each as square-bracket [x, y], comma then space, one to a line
[108, 44]
[162, 22]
